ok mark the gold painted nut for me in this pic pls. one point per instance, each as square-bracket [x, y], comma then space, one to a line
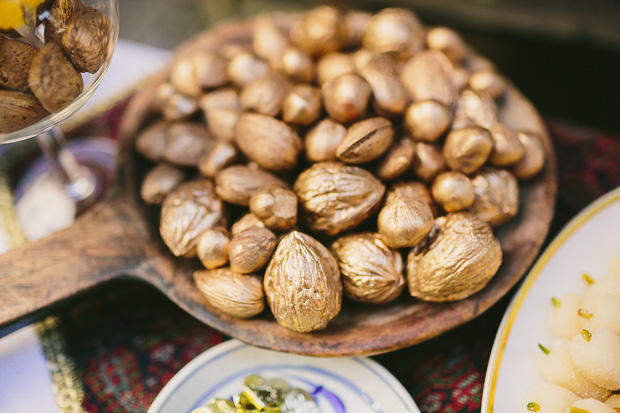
[276, 207]
[453, 191]
[428, 161]
[297, 65]
[397, 160]
[467, 149]
[366, 141]
[321, 31]
[302, 105]
[212, 248]
[236, 184]
[244, 68]
[533, 159]
[197, 72]
[404, 222]
[427, 120]
[322, 141]
[496, 196]
[159, 182]
[346, 97]
[250, 250]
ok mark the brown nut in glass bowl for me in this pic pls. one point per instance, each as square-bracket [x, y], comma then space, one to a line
[362, 178]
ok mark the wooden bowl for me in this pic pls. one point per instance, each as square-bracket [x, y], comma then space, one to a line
[120, 237]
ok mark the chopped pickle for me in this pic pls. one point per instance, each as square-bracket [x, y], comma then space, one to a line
[574, 409]
[586, 335]
[584, 314]
[556, 302]
[588, 279]
[533, 407]
[263, 395]
[544, 349]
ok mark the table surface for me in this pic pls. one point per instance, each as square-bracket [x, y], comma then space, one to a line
[113, 349]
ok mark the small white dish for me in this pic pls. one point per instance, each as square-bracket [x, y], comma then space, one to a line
[355, 385]
[588, 244]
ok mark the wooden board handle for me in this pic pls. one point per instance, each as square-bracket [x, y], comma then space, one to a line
[99, 246]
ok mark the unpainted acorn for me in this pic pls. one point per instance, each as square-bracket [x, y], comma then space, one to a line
[152, 140]
[397, 160]
[507, 149]
[193, 74]
[428, 161]
[346, 97]
[474, 109]
[428, 76]
[427, 120]
[236, 184]
[453, 191]
[333, 65]
[250, 250]
[388, 92]
[467, 149]
[179, 106]
[53, 79]
[19, 110]
[488, 81]
[265, 94]
[268, 41]
[335, 197]
[447, 41]
[221, 123]
[371, 272]
[321, 31]
[322, 141]
[457, 263]
[159, 182]
[212, 249]
[496, 196]
[244, 68]
[269, 142]
[415, 190]
[221, 155]
[186, 143]
[236, 295]
[366, 141]
[224, 98]
[297, 65]
[15, 61]
[60, 13]
[404, 222]
[394, 30]
[533, 159]
[86, 39]
[249, 220]
[187, 212]
[302, 105]
[302, 284]
[276, 207]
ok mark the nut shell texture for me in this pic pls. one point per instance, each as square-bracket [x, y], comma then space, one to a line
[467, 149]
[302, 284]
[371, 272]
[496, 198]
[187, 212]
[404, 222]
[15, 60]
[237, 295]
[86, 40]
[236, 184]
[335, 197]
[53, 79]
[459, 262]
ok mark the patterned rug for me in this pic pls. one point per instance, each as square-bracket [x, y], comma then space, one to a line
[114, 349]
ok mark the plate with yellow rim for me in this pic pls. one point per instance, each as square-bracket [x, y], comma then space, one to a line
[587, 245]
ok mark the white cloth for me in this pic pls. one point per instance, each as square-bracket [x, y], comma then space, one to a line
[25, 383]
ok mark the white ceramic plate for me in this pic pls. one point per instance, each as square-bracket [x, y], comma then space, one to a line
[352, 385]
[588, 244]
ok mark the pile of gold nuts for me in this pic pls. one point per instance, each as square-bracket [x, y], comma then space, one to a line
[327, 156]
[263, 395]
[36, 81]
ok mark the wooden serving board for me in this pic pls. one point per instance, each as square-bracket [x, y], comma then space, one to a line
[120, 238]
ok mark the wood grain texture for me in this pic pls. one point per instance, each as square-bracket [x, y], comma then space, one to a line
[120, 237]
